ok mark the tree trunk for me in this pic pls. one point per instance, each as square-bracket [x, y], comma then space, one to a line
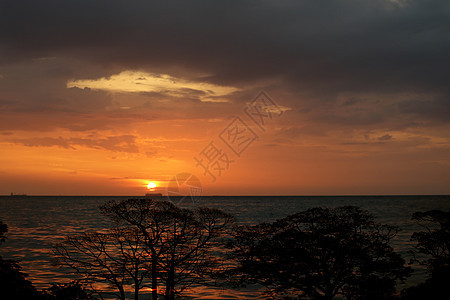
[136, 291]
[154, 276]
[170, 282]
[136, 284]
[122, 293]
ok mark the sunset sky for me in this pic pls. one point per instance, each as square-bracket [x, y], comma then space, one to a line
[103, 97]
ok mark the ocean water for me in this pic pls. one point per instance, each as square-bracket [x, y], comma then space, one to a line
[37, 222]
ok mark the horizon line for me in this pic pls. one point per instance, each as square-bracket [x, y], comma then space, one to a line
[260, 195]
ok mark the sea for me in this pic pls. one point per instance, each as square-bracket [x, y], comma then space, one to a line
[36, 223]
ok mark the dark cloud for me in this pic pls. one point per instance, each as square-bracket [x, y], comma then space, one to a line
[435, 108]
[307, 51]
[339, 45]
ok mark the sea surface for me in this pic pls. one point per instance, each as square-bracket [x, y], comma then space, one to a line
[37, 222]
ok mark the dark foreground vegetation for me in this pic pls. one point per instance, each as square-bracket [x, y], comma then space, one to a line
[162, 250]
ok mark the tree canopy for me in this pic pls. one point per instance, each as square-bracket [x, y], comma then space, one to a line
[434, 241]
[321, 253]
[181, 242]
[13, 282]
[433, 251]
[154, 244]
[116, 257]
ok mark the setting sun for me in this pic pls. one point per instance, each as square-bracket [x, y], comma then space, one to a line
[151, 185]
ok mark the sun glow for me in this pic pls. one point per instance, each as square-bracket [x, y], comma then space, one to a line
[151, 186]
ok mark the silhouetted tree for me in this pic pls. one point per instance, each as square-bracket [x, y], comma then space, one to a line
[117, 257]
[153, 241]
[320, 253]
[13, 282]
[69, 291]
[433, 244]
[187, 248]
[151, 218]
[179, 241]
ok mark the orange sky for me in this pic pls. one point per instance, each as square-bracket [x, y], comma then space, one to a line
[104, 105]
[129, 149]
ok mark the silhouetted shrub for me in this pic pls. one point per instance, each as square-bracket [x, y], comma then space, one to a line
[69, 291]
[13, 284]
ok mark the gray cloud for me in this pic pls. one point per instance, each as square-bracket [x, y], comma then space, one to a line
[346, 44]
[433, 108]
[308, 50]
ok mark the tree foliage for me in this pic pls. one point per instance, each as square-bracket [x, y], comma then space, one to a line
[13, 282]
[432, 250]
[181, 242]
[153, 244]
[320, 253]
[69, 291]
[117, 257]
[434, 241]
